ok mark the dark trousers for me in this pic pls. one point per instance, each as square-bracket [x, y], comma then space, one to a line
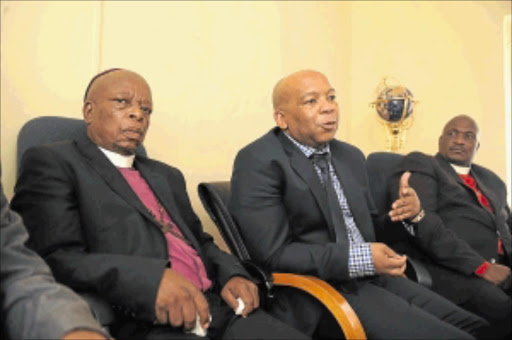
[225, 325]
[396, 307]
[388, 308]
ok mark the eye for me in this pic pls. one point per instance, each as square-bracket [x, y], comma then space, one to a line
[121, 100]
[470, 136]
[146, 110]
[451, 133]
[311, 101]
[332, 97]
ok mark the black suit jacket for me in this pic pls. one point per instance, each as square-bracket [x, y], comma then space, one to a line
[457, 233]
[282, 210]
[95, 233]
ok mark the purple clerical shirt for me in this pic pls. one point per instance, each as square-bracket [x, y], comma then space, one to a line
[183, 258]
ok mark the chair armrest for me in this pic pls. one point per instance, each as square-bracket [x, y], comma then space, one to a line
[416, 271]
[101, 310]
[329, 297]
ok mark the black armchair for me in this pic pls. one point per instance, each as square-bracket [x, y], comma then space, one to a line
[380, 167]
[215, 197]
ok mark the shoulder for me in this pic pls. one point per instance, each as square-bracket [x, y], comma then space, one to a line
[487, 174]
[263, 149]
[346, 151]
[417, 161]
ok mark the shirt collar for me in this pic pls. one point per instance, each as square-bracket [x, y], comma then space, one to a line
[120, 161]
[309, 150]
[461, 170]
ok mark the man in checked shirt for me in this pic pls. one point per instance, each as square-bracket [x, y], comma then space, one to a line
[303, 204]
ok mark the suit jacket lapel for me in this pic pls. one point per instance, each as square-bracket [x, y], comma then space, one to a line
[353, 194]
[450, 171]
[162, 190]
[110, 174]
[305, 169]
[488, 193]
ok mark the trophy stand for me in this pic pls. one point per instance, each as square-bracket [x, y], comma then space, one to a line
[395, 106]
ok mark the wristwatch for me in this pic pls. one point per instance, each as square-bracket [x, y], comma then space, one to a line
[418, 217]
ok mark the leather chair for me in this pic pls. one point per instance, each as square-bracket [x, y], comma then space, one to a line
[215, 197]
[46, 130]
[380, 167]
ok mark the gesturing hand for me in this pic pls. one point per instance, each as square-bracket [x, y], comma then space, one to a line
[178, 302]
[386, 261]
[239, 287]
[408, 204]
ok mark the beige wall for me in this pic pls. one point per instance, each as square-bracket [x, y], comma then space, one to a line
[212, 66]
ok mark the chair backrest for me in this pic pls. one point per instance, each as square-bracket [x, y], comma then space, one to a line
[215, 197]
[49, 129]
[379, 167]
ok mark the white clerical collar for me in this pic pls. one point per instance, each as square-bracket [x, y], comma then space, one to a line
[461, 170]
[120, 161]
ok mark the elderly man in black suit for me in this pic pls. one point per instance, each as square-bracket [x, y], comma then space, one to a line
[303, 204]
[465, 239]
[122, 226]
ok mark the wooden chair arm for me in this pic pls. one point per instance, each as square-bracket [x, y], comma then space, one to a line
[329, 297]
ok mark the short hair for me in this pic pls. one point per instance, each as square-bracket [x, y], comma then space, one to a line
[99, 75]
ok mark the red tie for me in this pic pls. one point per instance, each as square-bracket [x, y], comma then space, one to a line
[470, 182]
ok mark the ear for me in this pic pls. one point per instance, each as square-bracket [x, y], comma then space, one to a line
[477, 146]
[87, 111]
[280, 119]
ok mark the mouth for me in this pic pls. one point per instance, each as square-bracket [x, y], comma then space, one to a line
[133, 133]
[457, 150]
[329, 125]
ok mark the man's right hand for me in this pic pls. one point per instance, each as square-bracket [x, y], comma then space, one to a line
[386, 261]
[178, 302]
[496, 273]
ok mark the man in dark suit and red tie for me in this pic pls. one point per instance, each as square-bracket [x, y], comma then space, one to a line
[122, 226]
[302, 201]
[465, 239]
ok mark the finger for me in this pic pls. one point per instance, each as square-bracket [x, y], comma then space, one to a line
[202, 310]
[230, 299]
[175, 312]
[189, 315]
[246, 296]
[161, 316]
[404, 181]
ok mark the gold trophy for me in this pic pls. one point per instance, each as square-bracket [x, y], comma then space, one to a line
[395, 106]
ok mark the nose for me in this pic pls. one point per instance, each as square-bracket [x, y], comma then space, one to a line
[329, 106]
[136, 114]
[459, 138]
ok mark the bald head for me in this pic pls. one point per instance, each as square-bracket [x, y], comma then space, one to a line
[117, 110]
[459, 141]
[285, 87]
[305, 107]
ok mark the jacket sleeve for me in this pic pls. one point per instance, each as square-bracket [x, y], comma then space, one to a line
[45, 197]
[259, 207]
[34, 306]
[431, 234]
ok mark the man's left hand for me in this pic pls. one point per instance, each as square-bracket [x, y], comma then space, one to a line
[239, 287]
[408, 204]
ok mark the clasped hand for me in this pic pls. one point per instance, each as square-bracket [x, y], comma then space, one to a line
[178, 301]
[408, 204]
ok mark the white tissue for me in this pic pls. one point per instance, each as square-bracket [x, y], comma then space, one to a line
[198, 330]
[241, 306]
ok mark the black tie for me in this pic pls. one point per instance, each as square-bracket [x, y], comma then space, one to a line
[322, 161]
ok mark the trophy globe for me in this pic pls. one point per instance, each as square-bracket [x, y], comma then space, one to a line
[395, 107]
